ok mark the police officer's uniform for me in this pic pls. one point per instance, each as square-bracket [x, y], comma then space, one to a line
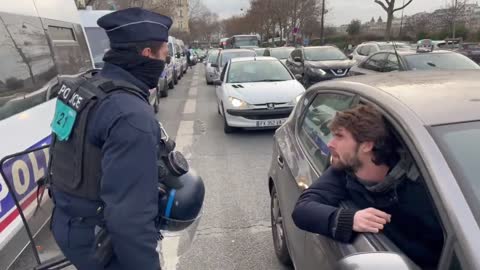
[104, 173]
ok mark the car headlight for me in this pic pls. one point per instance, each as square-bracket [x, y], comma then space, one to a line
[319, 71]
[238, 103]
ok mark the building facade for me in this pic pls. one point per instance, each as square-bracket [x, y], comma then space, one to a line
[180, 15]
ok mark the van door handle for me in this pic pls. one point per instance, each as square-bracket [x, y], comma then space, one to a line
[280, 162]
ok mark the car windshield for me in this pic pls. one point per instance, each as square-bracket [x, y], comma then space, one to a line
[389, 47]
[246, 41]
[282, 53]
[212, 56]
[324, 54]
[226, 56]
[460, 147]
[259, 52]
[99, 43]
[432, 61]
[257, 71]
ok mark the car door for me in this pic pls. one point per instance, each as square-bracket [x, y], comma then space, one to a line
[374, 64]
[220, 89]
[312, 137]
[392, 63]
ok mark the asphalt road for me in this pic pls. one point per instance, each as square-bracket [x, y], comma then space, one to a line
[234, 232]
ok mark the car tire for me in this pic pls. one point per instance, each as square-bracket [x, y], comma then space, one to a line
[156, 102]
[175, 78]
[164, 91]
[226, 128]
[278, 230]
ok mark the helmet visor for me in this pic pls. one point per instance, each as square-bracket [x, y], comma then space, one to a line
[177, 243]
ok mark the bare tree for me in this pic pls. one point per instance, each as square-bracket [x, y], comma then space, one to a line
[453, 14]
[389, 7]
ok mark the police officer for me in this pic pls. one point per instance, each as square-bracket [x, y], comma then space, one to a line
[103, 170]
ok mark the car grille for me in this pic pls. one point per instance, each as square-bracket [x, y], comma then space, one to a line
[339, 72]
[262, 114]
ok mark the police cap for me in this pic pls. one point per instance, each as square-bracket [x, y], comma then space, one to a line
[133, 25]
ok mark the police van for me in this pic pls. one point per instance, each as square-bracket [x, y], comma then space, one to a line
[39, 40]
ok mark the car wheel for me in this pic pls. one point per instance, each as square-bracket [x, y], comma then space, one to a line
[164, 91]
[218, 109]
[226, 128]
[278, 231]
[175, 78]
[171, 85]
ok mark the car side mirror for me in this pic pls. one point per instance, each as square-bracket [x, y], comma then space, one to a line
[168, 60]
[217, 82]
[178, 55]
[297, 59]
[214, 65]
[350, 56]
[298, 77]
[376, 261]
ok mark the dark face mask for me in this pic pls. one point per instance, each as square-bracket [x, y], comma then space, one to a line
[143, 68]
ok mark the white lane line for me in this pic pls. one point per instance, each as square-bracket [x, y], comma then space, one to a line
[193, 91]
[168, 248]
[190, 106]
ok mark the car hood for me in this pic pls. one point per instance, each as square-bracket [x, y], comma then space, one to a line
[330, 64]
[265, 92]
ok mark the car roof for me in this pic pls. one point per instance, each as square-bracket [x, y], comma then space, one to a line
[280, 48]
[436, 97]
[258, 58]
[236, 50]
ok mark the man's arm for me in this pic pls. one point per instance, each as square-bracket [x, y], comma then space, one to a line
[317, 209]
[129, 191]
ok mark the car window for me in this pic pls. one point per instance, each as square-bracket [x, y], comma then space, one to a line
[281, 53]
[392, 63]
[258, 71]
[324, 54]
[212, 57]
[361, 50]
[314, 133]
[226, 56]
[435, 61]
[27, 65]
[458, 143]
[365, 50]
[222, 76]
[375, 62]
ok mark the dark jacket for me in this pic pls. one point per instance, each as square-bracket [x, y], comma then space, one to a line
[125, 128]
[414, 227]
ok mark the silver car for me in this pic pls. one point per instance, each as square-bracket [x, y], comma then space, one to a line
[436, 117]
[225, 55]
[212, 57]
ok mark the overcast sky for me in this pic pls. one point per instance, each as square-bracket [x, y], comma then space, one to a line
[341, 11]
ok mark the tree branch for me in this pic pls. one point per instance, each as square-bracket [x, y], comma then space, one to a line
[383, 5]
[397, 9]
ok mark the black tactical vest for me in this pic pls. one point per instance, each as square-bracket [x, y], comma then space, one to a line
[75, 164]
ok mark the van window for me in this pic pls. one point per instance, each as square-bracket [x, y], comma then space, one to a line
[26, 64]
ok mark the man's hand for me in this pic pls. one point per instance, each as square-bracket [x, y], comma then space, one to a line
[370, 220]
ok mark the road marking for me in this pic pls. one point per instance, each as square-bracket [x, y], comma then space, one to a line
[168, 248]
[190, 106]
[193, 91]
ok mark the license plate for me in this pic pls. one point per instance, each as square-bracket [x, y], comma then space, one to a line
[270, 123]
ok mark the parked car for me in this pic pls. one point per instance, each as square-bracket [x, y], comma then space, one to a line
[226, 55]
[315, 64]
[174, 51]
[387, 61]
[362, 51]
[256, 92]
[470, 50]
[281, 53]
[443, 146]
[212, 57]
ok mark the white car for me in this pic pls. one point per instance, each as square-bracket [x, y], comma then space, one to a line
[366, 49]
[256, 92]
